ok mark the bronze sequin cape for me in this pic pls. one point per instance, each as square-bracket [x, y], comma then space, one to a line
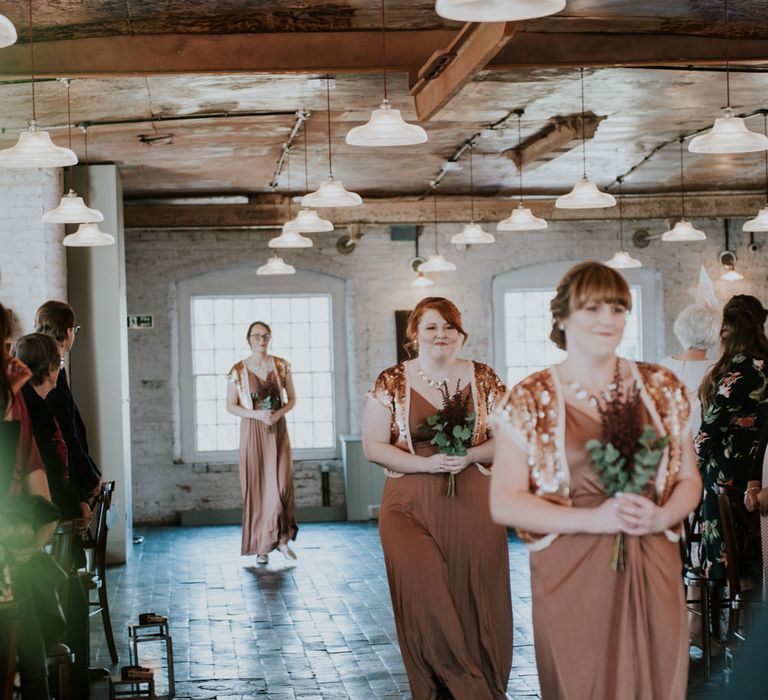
[238, 376]
[391, 390]
[533, 415]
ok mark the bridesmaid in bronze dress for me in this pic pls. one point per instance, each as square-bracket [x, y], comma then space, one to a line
[599, 634]
[261, 392]
[447, 562]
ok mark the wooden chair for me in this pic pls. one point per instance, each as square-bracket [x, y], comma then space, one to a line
[740, 528]
[10, 616]
[61, 659]
[711, 590]
[95, 576]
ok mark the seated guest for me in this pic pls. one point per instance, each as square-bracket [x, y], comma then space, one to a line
[27, 522]
[57, 319]
[41, 354]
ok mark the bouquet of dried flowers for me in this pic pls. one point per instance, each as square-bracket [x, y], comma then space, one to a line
[628, 454]
[452, 427]
[268, 397]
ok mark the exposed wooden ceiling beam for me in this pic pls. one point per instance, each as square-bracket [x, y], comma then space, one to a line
[355, 52]
[580, 49]
[271, 211]
[448, 70]
[178, 54]
[558, 136]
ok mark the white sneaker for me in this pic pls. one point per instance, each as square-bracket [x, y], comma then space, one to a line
[262, 558]
[287, 552]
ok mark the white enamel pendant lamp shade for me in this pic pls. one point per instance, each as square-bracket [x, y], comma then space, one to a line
[496, 10]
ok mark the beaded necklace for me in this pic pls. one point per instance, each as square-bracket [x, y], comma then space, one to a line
[432, 382]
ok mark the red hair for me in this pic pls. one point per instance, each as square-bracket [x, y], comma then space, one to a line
[445, 307]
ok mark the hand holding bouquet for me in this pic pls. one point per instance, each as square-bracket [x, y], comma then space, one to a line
[627, 456]
[452, 427]
[268, 397]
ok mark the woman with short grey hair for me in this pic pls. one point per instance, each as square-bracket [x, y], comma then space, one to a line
[697, 328]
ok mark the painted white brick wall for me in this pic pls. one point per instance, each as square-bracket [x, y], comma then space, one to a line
[32, 258]
[378, 277]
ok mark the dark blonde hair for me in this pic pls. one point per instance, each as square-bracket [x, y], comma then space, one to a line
[39, 352]
[445, 307]
[55, 318]
[588, 282]
[742, 331]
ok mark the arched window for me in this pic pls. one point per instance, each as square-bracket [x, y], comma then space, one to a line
[305, 312]
[522, 321]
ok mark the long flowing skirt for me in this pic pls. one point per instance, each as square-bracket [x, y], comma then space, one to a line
[448, 570]
[266, 481]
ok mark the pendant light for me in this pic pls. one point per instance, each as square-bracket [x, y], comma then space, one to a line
[496, 10]
[760, 222]
[88, 235]
[34, 149]
[683, 231]
[421, 281]
[436, 262]
[622, 260]
[728, 257]
[386, 127]
[71, 209]
[331, 192]
[289, 237]
[307, 220]
[730, 273]
[585, 193]
[472, 233]
[7, 32]
[521, 218]
[276, 266]
[729, 134]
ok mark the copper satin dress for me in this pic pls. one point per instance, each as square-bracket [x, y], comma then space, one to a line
[448, 570]
[603, 635]
[266, 481]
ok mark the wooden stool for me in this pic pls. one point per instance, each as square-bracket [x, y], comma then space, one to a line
[153, 632]
[131, 690]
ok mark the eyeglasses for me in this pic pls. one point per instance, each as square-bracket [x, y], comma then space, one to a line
[76, 329]
[260, 336]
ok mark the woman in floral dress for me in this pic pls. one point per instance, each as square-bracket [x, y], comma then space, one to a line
[734, 397]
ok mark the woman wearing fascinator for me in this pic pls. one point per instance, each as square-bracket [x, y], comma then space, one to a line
[697, 329]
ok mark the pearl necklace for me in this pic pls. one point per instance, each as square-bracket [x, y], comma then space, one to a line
[431, 382]
[583, 394]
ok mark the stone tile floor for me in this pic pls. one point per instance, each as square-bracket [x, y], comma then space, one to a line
[319, 628]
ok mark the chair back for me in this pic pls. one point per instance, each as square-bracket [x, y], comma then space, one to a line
[61, 546]
[99, 530]
[690, 537]
[730, 539]
[739, 531]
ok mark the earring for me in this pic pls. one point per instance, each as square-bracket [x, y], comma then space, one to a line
[560, 327]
